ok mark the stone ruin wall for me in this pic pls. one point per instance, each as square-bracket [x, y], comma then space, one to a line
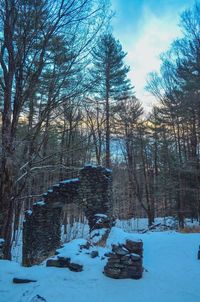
[92, 191]
[95, 193]
[1, 248]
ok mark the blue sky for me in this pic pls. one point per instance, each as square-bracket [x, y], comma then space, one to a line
[145, 29]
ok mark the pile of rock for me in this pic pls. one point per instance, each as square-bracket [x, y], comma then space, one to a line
[125, 261]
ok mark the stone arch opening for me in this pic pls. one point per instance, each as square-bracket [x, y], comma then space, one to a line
[92, 190]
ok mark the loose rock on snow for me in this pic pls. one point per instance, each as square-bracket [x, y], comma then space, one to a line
[21, 280]
[85, 246]
[74, 267]
[59, 262]
[63, 262]
[94, 254]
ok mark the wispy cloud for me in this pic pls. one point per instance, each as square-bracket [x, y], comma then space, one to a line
[146, 38]
[143, 55]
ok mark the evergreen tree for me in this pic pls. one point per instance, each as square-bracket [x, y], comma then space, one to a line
[109, 77]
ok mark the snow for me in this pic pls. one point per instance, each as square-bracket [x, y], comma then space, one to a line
[89, 165]
[101, 215]
[172, 273]
[17, 248]
[97, 234]
[68, 181]
[56, 185]
[119, 236]
[141, 224]
[39, 203]
[72, 250]
[29, 212]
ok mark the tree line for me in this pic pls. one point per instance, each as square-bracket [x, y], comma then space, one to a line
[66, 100]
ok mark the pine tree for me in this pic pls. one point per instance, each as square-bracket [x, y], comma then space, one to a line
[109, 77]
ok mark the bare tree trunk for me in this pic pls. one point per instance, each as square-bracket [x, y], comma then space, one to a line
[108, 163]
[150, 203]
[7, 164]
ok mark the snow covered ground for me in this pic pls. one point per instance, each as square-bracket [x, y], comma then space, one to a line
[141, 224]
[81, 230]
[172, 273]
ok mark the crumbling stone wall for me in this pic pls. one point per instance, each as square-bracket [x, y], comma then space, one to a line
[96, 194]
[1, 248]
[92, 190]
[65, 192]
[41, 232]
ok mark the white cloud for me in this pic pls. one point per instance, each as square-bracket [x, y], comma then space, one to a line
[143, 54]
[145, 39]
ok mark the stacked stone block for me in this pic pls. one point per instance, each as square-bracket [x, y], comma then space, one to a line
[125, 261]
[65, 192]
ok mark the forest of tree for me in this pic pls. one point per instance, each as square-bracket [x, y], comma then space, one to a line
[66, 100]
